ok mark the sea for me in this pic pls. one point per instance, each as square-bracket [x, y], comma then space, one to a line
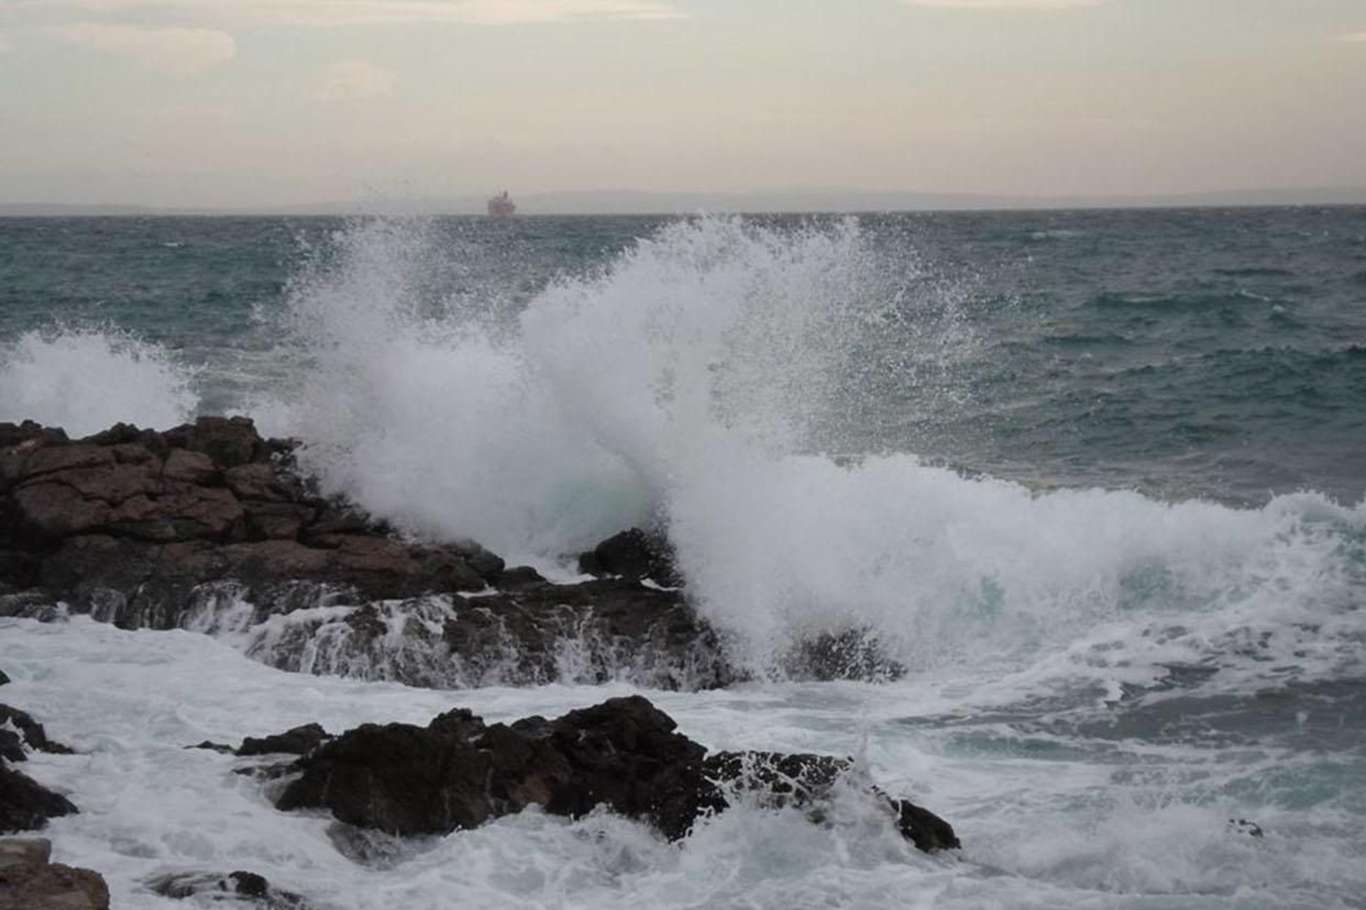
[1096, 479]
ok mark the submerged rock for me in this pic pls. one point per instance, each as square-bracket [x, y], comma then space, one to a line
[209, 527]
[297, 741]
[242, 888]
[18, 729]
[458, 772]
[30, 881]
[25, 804]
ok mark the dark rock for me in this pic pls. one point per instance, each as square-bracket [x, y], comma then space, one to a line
[235, 887]
[1243, 826]
[174, 529]
[633, 554]
[51, 886]
[276, 520]
[214, 747]
[850, 654]
[26, 805]
[31, 731]
[229, 441]
[297, 741]
[613, 625]
[4, 678]
[520, 577]
[624, 753]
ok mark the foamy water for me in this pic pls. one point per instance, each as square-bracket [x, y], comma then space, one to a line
[1098, 680]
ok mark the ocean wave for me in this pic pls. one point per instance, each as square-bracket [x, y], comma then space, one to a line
[86, 379]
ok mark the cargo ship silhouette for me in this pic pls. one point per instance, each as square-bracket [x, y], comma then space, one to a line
[502, 206]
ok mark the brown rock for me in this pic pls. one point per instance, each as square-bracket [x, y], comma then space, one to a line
[42, 886]
[61, 458]
[55, 510]
[189, 467]
[229, 441]
[276, 520]
[261, 481]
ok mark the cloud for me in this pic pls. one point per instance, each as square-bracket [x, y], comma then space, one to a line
[1354, 38]
[4, 43]
[1005, 4]
[182, 51]
[327, 13]
[353, 80]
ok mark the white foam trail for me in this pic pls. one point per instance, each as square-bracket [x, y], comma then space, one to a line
[85, 380]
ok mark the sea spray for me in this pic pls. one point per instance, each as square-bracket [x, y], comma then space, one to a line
[709, 380]
[86, 379]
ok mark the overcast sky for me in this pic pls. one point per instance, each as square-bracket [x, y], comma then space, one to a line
[269, 102]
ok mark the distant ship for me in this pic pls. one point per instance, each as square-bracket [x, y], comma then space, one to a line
[501, 206]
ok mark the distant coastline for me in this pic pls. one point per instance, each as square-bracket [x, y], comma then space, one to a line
[632, 202]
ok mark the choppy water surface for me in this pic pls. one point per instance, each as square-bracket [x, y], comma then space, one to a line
[1097, 478]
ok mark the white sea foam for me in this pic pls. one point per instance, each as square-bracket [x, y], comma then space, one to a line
[709, 379]
[1044, 823]
[85, 380]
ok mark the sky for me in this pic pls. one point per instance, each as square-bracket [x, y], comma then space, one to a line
[264, 103]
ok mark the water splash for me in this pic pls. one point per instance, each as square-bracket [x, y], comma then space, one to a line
[86, 379]
[716, 379]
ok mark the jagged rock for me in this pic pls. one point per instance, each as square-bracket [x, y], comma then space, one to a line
[850, 654]
[27, 730]
[160, 530]
[235, 887]
[4, 678]
[26, 805]
[633, 554]
[611, 624]
[297, 741]
[458, 772]
[51, 886]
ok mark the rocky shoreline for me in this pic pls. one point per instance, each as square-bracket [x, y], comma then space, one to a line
[208, 527]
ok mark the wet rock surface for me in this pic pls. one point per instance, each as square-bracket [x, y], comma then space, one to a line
[208, 526]
[458, 772]
[634, 554]
[236, 888]
[30, 881]
[18, 730]
[25, 804]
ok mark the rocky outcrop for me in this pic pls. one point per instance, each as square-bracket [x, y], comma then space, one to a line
[30, 881]
[209, 527]
[126, 522]
[296, 741]
[458, 772]
[633, 554]
[26, 805]
[239, 888]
